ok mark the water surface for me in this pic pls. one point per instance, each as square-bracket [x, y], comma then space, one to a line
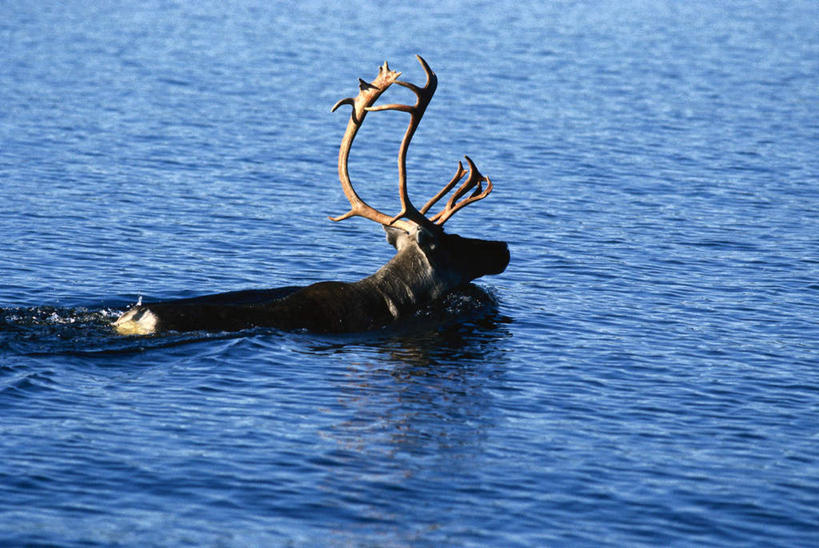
[645, 372]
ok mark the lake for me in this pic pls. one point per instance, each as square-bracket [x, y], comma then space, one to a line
[645, 372]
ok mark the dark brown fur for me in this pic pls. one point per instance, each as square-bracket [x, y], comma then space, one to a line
[424, 268]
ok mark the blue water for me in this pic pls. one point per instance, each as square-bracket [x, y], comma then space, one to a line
[645, 372]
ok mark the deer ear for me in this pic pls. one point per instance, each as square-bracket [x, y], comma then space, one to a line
[394, 235]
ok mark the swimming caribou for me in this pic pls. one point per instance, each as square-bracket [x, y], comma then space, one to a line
[428, 262]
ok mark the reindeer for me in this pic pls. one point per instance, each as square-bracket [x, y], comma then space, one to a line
[428, 262]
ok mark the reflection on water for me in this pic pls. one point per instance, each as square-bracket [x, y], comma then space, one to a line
[460, 329]
[414, 401]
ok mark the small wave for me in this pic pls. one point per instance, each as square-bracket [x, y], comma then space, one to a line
[464, 308]
[58, 330]
[24, 383]
[466, 300]
[19, 319]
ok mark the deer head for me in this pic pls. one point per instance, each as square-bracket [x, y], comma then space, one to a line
[449, 255]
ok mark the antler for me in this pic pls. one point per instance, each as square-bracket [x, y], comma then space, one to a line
[368, 94]
[363, 103]
[416, 112]
[474, 180]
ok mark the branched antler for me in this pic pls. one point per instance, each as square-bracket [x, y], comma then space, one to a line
[475, 180]
[416, 112]
[367, 95]
[362, 104]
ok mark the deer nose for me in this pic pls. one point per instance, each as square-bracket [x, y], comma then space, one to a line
[503, 258]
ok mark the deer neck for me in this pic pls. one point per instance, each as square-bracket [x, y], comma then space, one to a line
[407, 280]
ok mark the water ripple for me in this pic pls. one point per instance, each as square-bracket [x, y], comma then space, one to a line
[642, 374]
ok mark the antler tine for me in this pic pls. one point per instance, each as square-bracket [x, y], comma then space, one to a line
[474, 180]
[459, 173]
[368, 93]
[416, 112]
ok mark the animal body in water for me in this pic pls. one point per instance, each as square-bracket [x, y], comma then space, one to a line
[428, 261]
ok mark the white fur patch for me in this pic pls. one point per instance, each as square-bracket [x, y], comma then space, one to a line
[144, 324]
[392, 307]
